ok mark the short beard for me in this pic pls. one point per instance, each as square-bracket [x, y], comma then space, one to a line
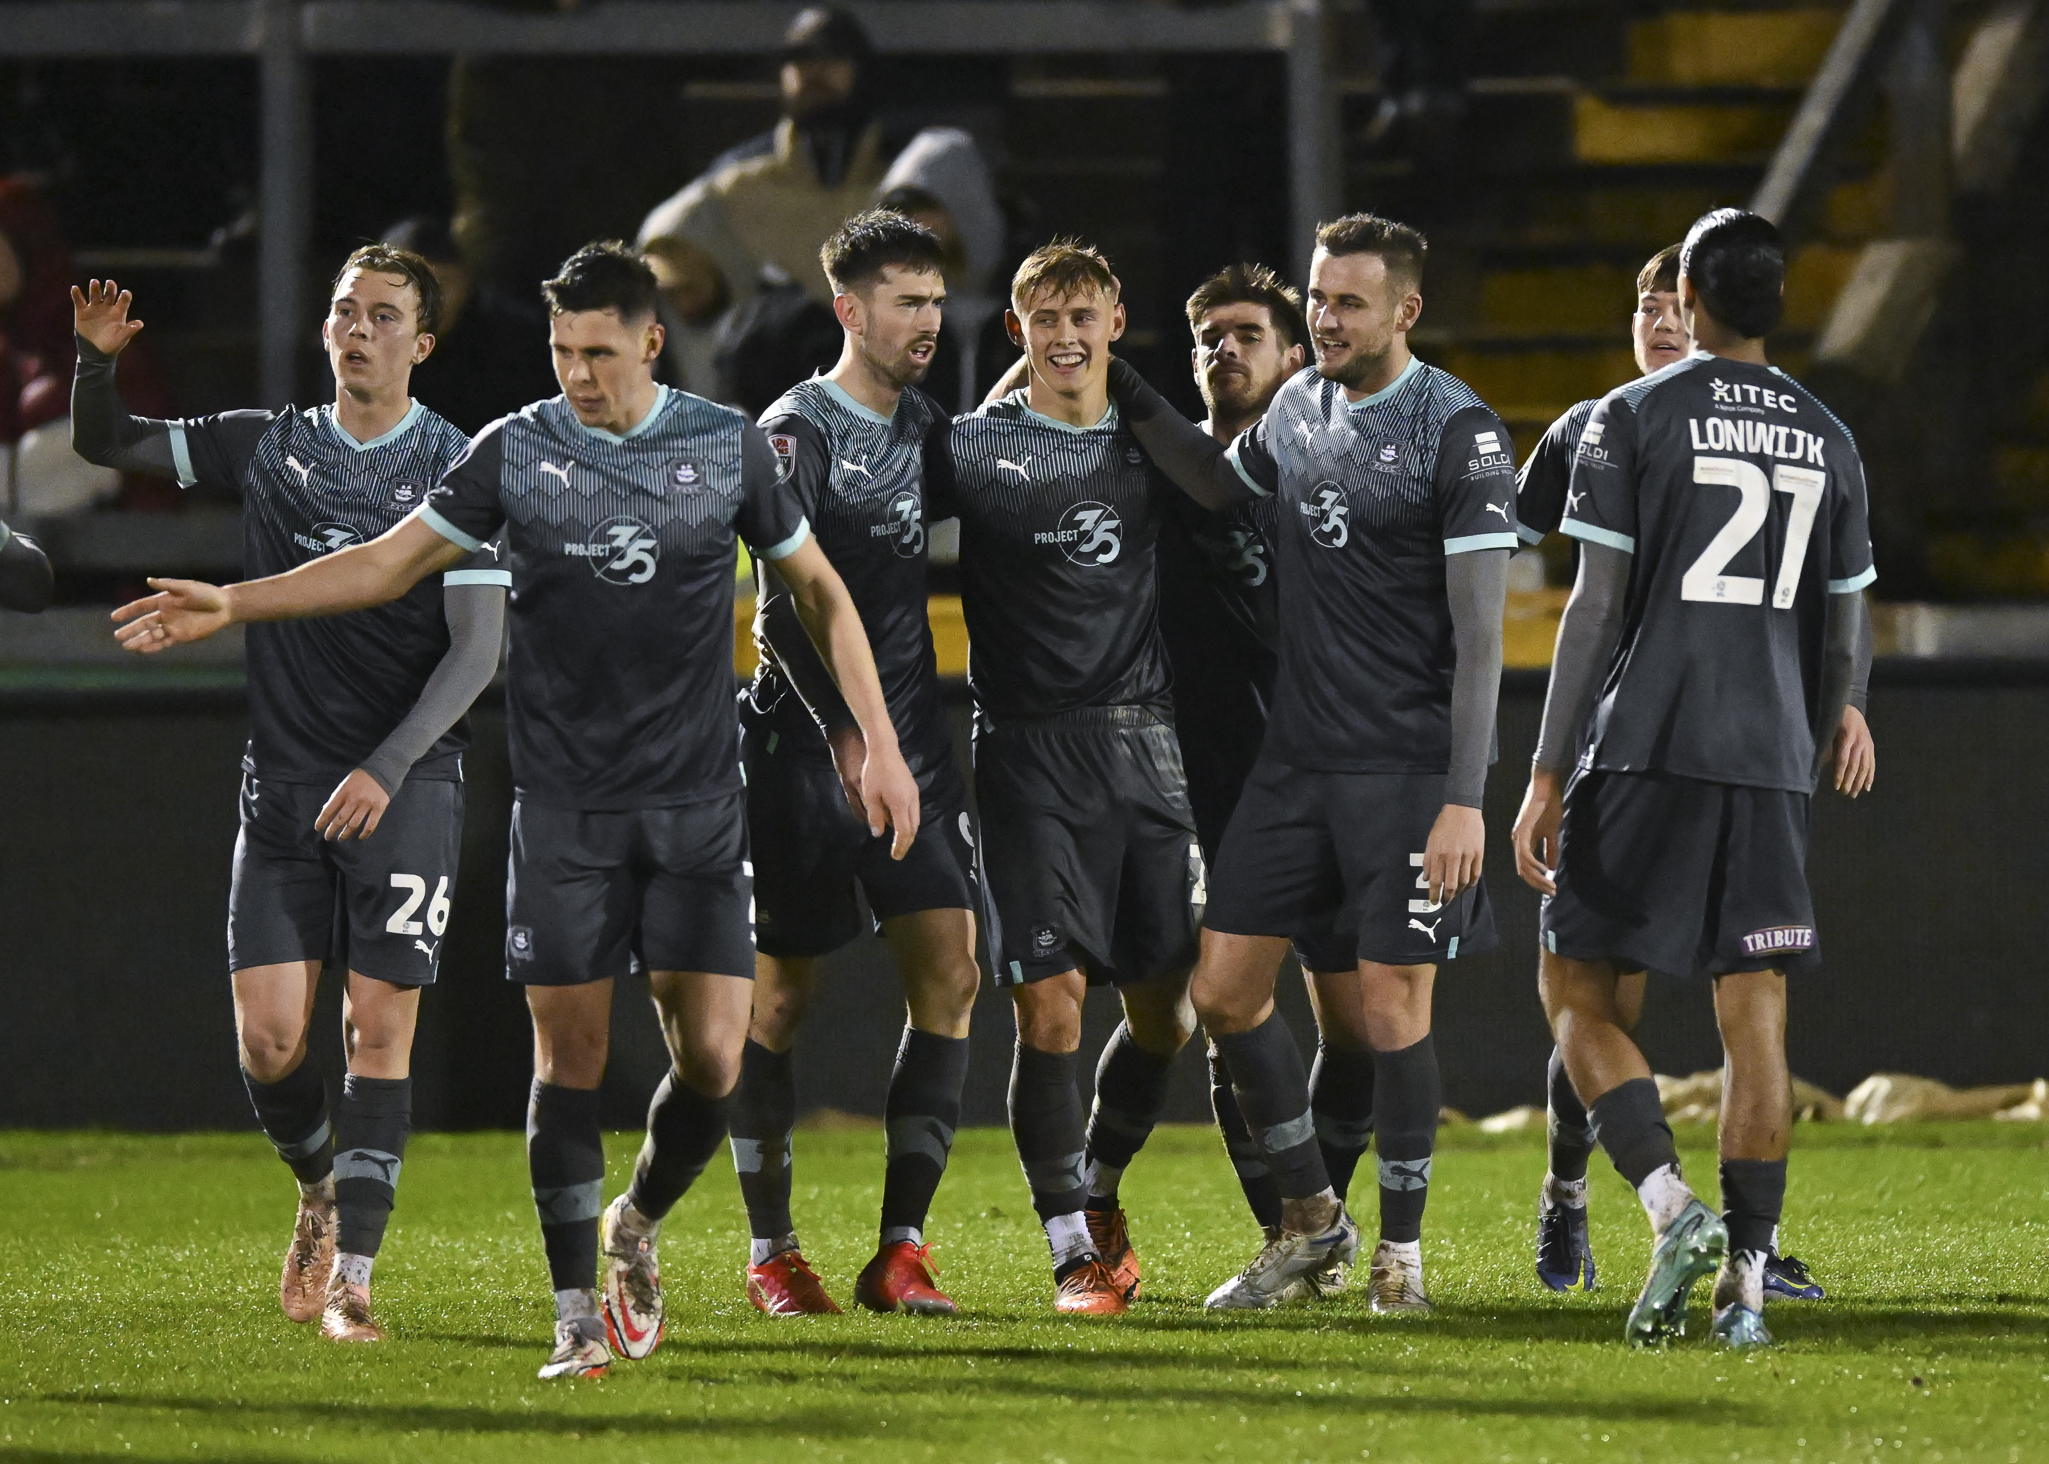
[902, 373]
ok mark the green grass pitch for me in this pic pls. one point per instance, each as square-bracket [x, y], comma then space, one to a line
[138, 1292]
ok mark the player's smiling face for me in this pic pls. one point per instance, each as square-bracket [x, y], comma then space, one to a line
[896, 320]
[1240, 359]
[1356, 311]
[605, 365]
[1067, 337]
[1658, 331]
[372, 332]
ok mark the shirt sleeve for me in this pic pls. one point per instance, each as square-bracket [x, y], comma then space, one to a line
[1849, 541]
[1248, 453]
[485, 566]
[217, 450]
[801, 460]
[1476, 483]
[1540, 486]
[1600, 499]
[465, 507]
[771, 518]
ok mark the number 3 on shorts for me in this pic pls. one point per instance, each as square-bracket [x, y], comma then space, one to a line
[402, 922]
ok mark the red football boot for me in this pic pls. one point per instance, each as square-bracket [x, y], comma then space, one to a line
[1113, 1244]
[784, 1285]
[1090, 1290]
[901, 1278]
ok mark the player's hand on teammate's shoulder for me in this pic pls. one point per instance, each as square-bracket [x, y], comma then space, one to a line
[354, 809]
[179, 611]
[1856, 755]
[99, 313]
[849, 760]
[889, 795]
[1451, 858]
[1535, 839]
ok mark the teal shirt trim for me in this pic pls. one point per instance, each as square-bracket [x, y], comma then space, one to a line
[1472, 542]
[662, 396]
[790, 545]
[181, 456]
[426, 515]
[840, 394]
[1528, 535]
[1231, 456]
[1109, 418]
[1574, 529]
[405, 425]
[478, 577]
[1854, 583]
[1415, 365]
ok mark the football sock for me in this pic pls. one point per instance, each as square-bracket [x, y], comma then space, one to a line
[920, 1116]
[578, 1306]
[1408, 1092]
[353, 1270]
[1045, 1120]
[764, 1117]
[370, 1127]
[1741, 1280]
[1629, 1122]
[1131, 1093]
[293, 1114]
[1753, 1194]
[1273, 1095]
[684, 1129]
[1261, 1193]
[1341, 1101]
[565, 1154]
[1067, 1236]
[1567, 1128]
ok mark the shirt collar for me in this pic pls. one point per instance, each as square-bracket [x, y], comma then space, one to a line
[1109, 418]
[662, 395]
[846, 399]
[1415, 365]
[404, 425]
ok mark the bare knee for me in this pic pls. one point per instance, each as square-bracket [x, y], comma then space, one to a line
[941, 995]
[1049, 1013]
[706, 1063]
[782, 995]
[1161, 1018]
[269, 1054]
[1233, 986]
[1395, 1004]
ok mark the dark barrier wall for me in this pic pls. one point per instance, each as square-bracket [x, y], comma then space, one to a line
[117, 820]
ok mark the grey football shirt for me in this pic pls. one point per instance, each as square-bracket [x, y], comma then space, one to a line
[859, 478]
[1058, 525]
[1741, 498]
[1373, 495]
[324, 693]
[623, 549]
[1540, 486]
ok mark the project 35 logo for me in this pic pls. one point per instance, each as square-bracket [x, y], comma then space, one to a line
[903, 524]
[1329, 514]
[621, 551]
[1089, 533]
[327, 538]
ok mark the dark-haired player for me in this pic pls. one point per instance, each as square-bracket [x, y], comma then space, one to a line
[26, 582]
[1565, 1256]
[851, 444]
[1089, 860]
[1721, 518]
[621, 500]
[352, 795]
[1396, 493]
[1219, 619]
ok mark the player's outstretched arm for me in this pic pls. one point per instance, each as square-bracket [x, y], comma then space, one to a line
[1587, 633]
[1476, 585]
[353, 579]
[26, 583]
[476, 633]
[888, 790]
[1195, 462]
[102, 432]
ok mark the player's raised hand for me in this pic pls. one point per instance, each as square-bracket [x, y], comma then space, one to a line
[1856, 755]
[1451, 859]
[849, 760]
[99, 312]
[179, 611]
[890, 797]
[354, 809]
[1535, 839]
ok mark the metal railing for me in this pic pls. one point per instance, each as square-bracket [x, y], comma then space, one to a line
[282, 35]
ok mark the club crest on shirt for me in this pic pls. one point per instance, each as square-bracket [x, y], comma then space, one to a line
[686, 475]
[785, 446]
[1133, 456]
[1389, 458]
[405, 495]
[1045, 940]
[519, 942]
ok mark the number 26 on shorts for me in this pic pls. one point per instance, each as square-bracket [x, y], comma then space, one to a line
[402, 922]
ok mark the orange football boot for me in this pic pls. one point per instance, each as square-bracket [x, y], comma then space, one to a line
[784, 1285]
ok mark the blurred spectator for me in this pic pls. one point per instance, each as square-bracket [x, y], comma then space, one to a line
[771, 202]
[941, 180]
[35, 368]
[779, 336]
[491, 353]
